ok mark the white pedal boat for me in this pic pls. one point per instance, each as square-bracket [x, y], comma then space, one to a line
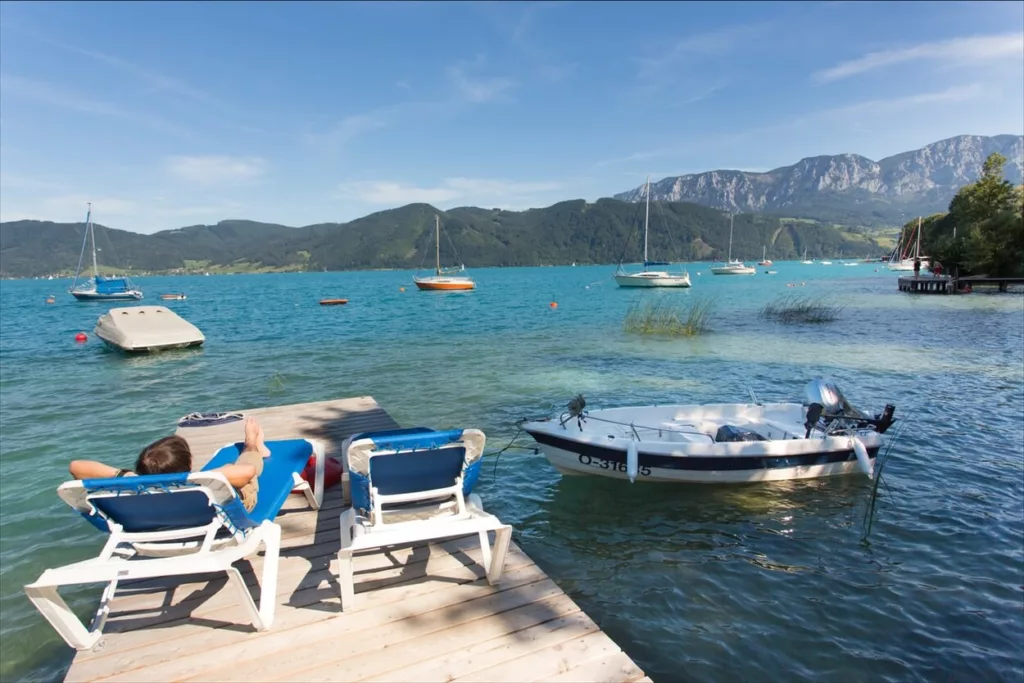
[716, 443]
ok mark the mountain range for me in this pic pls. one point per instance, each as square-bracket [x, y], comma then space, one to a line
[848, 189]
[606, 231]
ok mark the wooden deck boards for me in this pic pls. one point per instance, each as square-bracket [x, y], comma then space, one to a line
[423, 613]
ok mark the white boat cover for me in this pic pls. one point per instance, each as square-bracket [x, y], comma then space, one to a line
[147, 328]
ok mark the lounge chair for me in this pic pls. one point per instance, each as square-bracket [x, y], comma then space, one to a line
[414, 485]
[182, 524]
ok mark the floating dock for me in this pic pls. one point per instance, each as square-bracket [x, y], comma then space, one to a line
[424, 613]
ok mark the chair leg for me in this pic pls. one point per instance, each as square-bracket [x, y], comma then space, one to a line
[346, 579]
[485, 550]
[49, 603]
[268, 582]
[235, 578]
[502, 538]
[346, 570]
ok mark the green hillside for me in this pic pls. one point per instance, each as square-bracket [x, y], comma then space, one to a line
[606, 231]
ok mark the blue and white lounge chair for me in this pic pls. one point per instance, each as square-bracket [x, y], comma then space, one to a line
[413, 485]
[176, 525]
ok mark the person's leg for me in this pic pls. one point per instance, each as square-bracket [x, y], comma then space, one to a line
[253, 453]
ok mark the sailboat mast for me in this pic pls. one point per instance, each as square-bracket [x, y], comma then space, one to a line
[92, 234]
[918, 254]
[437, 242]
[647, 216]
[729, 260]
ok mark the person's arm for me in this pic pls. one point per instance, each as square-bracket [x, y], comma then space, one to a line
[237, 475]
[90, 469]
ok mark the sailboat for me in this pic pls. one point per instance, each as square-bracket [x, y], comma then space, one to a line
[100, 288]
[765, 261]
[902, 258]
[731, 267]
[651, 278]
[806, 262]
[441, 280]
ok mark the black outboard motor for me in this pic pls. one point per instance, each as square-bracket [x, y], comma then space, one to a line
[825, 400]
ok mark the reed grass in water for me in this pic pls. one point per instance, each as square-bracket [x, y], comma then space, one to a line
[669, 316]
[798, 308]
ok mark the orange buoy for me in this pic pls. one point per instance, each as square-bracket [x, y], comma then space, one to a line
[554, 304]
[80, 337]
[401, 289]
[50, 300]
[333, 302]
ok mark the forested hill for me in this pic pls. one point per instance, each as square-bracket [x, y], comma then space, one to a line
[573, 231]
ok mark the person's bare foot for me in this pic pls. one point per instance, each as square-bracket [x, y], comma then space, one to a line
[254, 437]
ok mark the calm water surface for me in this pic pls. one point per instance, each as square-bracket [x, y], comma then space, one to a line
[755, 582]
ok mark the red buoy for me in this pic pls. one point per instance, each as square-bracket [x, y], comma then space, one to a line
[80, 337]
[554, 304]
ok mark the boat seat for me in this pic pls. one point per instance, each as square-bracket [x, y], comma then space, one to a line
[699, 428]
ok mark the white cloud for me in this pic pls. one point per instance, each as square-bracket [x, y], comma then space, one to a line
[216, 170]
[699, 45]
[46, 93]
[478, 88]
[69, 208]
[479, 191]
[350, 128]
[969, 50]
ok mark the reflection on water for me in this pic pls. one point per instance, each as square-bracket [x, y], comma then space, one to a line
[705, 583]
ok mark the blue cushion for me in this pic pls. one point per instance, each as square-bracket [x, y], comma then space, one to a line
[277, 479]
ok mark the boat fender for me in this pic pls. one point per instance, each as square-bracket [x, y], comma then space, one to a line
[861, 451]
[632, 461]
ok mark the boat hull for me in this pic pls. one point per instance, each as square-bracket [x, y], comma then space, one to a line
[445, 285]
[657, 281]
[96, 296]
[746, 270]
[574, 458]
[687, 444]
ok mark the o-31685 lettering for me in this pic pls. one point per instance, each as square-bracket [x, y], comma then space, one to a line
[603, 464]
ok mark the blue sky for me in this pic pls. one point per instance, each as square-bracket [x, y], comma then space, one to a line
[172, 114]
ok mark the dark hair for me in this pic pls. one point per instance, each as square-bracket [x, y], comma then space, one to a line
[168, 455]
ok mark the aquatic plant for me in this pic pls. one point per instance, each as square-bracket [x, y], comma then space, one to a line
[798, 308]
[669, 316]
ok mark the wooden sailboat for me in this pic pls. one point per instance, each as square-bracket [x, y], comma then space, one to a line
[441, 280]
[731, 267]
[646, 277]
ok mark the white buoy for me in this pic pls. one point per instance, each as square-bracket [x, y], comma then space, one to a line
[862, 456]
[632, 461]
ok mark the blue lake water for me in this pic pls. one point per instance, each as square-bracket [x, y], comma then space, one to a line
[753, 582]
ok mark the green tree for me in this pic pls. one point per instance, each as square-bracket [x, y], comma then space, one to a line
[983, 199]
[983, 233]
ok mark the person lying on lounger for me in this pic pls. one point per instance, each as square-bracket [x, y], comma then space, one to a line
[171, 455]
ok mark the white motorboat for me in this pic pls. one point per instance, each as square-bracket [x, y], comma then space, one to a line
[146, 328]
[646, 277]
[731, 266]
[716, 443]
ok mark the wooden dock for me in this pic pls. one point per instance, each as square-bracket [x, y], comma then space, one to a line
[423, 613]
[927, 284]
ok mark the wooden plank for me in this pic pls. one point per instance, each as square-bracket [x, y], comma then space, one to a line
[451, 639]
[549, 662]
[150, 648]
[327, 642]
[613, 668]
[488, 653]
